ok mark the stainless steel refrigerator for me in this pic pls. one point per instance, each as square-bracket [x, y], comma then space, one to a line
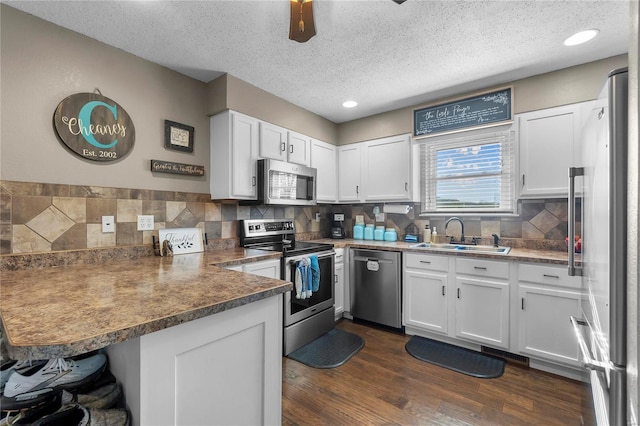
[599, 187]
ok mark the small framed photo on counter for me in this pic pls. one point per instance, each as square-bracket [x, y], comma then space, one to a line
[178, 136]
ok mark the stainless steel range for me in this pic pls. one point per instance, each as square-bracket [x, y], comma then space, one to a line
[310, 316]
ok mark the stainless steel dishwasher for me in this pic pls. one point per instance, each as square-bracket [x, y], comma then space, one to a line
[375, 283]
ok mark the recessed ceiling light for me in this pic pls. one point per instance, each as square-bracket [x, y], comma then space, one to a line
[581, 37]
[349, 104]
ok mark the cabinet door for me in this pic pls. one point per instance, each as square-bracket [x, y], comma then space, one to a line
[298, 149]
[387, 169]
[545, 330]
[349, 173]
[482, 311]
[266, 268]
[339, 290]
[244, 143]
[324, 160]
[548, 146]
[273, 142]
[425, 300]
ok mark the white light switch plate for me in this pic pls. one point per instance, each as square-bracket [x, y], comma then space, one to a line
[108, 224]
[145, 222]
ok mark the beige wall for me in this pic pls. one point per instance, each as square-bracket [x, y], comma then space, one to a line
[43, 63]
[229, 92]
[566, 86]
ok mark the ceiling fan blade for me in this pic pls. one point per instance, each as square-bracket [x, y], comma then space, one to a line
[399, 1]
[302, 27]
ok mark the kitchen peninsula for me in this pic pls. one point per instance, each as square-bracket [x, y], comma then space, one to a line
[188, 340]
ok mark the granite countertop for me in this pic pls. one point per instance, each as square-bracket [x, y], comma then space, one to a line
[65, 311]
[517, 254]
[69, 310]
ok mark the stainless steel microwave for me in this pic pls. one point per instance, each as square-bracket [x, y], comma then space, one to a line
[286, 183]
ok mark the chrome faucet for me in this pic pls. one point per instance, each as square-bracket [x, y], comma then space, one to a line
[461, 227]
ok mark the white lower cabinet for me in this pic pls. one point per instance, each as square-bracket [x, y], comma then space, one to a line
[426, 288]
[522, 308]
[548, 297]
[482, 301]
[264, 268]
[225, 368]
[339, 283]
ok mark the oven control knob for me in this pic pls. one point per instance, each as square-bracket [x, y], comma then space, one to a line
[250, 227]
[258, 227]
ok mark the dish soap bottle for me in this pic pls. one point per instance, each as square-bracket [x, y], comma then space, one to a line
[434, 235]
[426, 234]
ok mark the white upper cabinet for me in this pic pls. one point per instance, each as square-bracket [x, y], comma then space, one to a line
[349, 180]
[299, 149]
[234, 151]
[281, 144]
[324, 159]
[376, 170]
[387, 169]
[549, 145]
[273, 141]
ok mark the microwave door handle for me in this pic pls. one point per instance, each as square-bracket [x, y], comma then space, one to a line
[573, 172]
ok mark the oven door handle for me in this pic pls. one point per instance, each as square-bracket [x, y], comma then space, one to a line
[320, 256]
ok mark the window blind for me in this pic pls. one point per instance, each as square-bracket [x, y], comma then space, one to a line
[469, 174]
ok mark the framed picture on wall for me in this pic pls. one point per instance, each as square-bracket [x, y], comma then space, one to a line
[178, 137]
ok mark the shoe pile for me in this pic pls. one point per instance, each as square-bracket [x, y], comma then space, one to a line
[62, 391]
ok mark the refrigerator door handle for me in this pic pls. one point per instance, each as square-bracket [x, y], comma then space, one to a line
[587, 360]
[573, 172]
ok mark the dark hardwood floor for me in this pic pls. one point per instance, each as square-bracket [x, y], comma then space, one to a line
[382, 384]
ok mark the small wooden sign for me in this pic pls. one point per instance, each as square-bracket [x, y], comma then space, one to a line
[176, 168]
[94, 127]
[183, 240]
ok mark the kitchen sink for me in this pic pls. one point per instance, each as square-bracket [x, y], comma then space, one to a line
[461, 247]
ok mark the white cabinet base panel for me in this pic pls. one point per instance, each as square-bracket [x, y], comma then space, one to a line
[222, 369]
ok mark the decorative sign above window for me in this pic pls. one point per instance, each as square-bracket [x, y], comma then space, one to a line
[482, 110]
[94, 127]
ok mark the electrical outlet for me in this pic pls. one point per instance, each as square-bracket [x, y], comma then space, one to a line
[145, 222]
[108, 224]
[317, 217]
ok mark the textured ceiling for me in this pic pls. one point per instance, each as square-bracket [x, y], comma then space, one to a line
[384, 55]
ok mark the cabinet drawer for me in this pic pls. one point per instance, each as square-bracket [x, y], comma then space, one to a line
[547, 274]
[483, 268]
[427, 261]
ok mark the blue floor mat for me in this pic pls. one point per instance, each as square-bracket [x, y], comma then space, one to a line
[454, 358]
[329, 350]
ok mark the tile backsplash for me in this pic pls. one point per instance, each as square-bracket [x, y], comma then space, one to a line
[41, 218]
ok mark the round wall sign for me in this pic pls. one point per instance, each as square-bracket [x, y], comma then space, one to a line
[94, 127]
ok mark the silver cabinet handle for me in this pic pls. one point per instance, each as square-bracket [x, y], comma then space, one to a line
[480, 268]
[357, 189]
[443, 290]
[522, 304]
[290, 149]
[551, 276]
[253, 181]
[284, 146]
[573, 172]
[425, 261]
[458, 293]
[406, 186]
